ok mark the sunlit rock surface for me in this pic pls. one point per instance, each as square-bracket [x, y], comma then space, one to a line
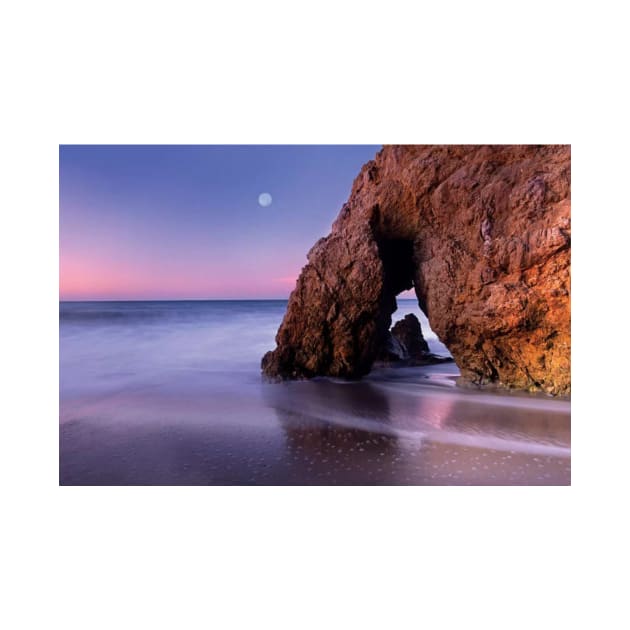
[482, 234]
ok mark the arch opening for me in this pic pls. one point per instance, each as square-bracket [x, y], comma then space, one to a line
[397, 256]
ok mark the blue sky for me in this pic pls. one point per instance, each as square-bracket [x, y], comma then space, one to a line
[160, 222]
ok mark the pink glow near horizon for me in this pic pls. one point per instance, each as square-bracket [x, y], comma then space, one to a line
[87, 279]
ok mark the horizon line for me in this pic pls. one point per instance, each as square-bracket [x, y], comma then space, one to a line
[284, 299]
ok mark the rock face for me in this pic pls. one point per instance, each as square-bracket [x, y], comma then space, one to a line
[482, 234]
[392, 351]
[409, 333]
[406, 346]
[404, 343]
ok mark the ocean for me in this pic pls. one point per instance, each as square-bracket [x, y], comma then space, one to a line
[170, 393]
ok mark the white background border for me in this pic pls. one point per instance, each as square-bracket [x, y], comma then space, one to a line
[331, 72]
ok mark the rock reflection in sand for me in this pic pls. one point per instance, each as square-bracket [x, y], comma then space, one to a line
[198, 431]
[362, 434]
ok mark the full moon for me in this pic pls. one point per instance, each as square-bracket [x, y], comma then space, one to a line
[264, 199]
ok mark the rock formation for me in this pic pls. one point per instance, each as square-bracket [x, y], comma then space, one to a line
[391, 351]
[409, 333]
[481, 233]
[405, 345]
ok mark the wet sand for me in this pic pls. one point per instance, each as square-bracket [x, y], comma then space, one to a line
[408, 426]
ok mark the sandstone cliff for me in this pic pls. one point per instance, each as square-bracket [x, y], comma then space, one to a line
[482, 234]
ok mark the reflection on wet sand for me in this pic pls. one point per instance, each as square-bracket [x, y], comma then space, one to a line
[341, 451]
[432, 439]
[319, 432]
[323, 453]
[329, 452]
[462, 413]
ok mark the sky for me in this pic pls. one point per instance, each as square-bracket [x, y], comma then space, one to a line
[186, 222]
